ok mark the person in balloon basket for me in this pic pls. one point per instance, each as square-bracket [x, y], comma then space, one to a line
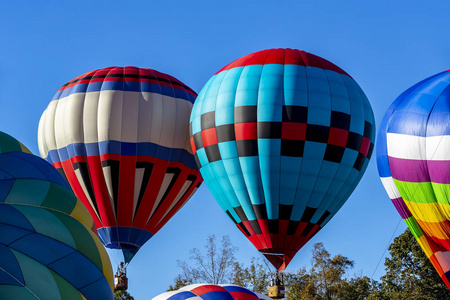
[121, 270]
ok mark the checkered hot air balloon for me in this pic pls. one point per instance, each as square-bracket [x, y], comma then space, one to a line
[282, 137]
[414, 164]
[120, 136]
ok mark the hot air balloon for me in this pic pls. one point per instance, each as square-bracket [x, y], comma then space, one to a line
[48, 249]
[210, 292]
[413, 160]
[281, 137]
[120, 137]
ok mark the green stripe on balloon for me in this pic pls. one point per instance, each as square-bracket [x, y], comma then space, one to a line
[45, 223]
[418, 192]
[35, 274]
[9, 144]
[414, 227]
[53, 199]
[65, 288]
[28, 191]
[83, 240]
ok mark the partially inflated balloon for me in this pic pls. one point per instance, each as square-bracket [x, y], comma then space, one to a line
[413, 156]
[208, 291]
[47, 247]
[282, 137]
[120, 136]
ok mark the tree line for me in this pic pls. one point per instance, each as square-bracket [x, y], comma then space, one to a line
[409, 274]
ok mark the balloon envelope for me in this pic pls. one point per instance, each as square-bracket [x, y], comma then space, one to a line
[209, 292]
[413, 160]
[282, 137]
[48, 249]
[120, 136]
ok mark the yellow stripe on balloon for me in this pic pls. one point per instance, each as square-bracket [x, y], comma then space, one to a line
[81, 213]
[429, 212]
[425, 246]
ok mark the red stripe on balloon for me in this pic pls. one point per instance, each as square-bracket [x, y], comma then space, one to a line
[339, 137]
[209, 137]
[246, 131]
[284, 57]
[293, 131]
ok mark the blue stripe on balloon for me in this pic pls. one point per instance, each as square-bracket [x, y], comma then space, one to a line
[92, 281]
[381, 145]
[182, 295]
[122, 148]
[217, 191]
[289, 175]
[118, 237]
[416, 106]
[234, 172]
[5, 187]
[269, 161]
[247, 88]
[440, 115]
[16, 227]
[129, 86]
[357, 111]
[270, 93]
[339, 92]
[25, 165]
[228, 150]
[217, 295]
[251, 173]
[226, 96]
[324, 180]
[10, 272]
[212, 89]
[295, 85]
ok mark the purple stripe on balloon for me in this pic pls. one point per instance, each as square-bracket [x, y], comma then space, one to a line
[439, 171]
[409, 170]
[401, 207]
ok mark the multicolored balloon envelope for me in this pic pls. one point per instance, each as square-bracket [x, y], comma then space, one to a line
[48, 249]
[282, 137]
[208, 291]
[413, 156]
[120, 136]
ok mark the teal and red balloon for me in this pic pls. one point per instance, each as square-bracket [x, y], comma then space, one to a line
[282, 137]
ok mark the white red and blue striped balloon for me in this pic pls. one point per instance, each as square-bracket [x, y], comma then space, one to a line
[120, 137]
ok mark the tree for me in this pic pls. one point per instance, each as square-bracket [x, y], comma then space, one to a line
[324, 281]
[359, 288]
[409, 273]
[215, 266]
[255, 277]
[122, 295]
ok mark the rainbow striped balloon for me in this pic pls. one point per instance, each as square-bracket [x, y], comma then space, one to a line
[414, 164]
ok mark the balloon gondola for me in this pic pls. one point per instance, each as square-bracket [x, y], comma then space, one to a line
[282, 137]
[120, 137]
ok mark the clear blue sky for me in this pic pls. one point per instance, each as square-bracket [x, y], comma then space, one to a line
[386, 46]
